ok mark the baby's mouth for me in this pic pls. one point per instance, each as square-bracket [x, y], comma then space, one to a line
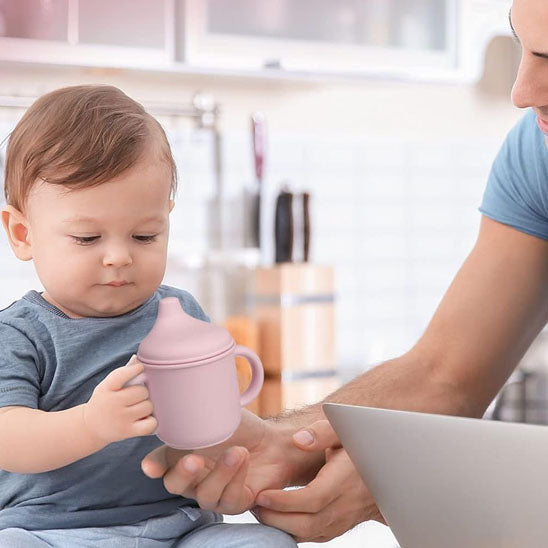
[117, 283]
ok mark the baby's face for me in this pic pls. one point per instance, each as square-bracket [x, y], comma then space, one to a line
[101, 251]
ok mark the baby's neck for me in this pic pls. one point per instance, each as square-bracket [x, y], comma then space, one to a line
[66, 311]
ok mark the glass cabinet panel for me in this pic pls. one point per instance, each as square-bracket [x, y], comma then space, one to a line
[386, 23]
[353, 36]
[130, 23]
[34, 19]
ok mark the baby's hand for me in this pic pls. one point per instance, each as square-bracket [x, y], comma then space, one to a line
[117, 412]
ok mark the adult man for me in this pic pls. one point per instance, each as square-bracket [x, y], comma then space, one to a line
[493, 310]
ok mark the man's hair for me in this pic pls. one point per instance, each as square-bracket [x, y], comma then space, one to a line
[80, 136]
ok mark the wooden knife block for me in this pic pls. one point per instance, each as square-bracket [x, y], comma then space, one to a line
[295, 312]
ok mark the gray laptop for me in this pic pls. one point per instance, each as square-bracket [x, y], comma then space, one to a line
[450, 482]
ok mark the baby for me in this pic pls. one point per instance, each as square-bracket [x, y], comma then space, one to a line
[89, 185]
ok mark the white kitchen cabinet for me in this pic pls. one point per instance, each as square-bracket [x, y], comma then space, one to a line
[124, 33]
[419, 39]
[322, 36]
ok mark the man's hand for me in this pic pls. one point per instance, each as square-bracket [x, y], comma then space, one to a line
[117, 412]
[227, 477]
[335, 501]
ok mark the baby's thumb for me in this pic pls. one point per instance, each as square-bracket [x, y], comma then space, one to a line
[132, 360]
[316, 437]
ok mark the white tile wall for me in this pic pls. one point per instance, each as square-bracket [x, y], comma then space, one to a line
[396, 218]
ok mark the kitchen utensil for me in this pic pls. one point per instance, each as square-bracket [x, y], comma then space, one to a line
[292, 227]
[254, 194]
[190, 373]
[283, 227]
[306, 226]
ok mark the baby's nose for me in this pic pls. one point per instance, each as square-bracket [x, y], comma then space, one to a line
[117, 256]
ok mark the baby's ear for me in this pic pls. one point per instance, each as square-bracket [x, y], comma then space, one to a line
[16, 226]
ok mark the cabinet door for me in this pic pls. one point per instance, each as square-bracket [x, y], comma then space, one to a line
[129, 23]
[121, 33]
[322, 35]
[34, 19]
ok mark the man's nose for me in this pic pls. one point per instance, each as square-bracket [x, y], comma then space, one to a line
[117, 255]
[531, 86]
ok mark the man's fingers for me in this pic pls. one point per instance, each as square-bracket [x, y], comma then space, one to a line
[237, 496]
[316, 437]
[225, 472]
[183, 477]
[304, 527]
[155, 464]
[311, 499]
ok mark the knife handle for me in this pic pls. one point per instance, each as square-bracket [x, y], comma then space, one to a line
[283, 229]
[306, 227]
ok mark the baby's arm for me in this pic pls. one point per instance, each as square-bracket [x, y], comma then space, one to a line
[36, 441]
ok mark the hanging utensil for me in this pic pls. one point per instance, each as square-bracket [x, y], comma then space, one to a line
[253, 232]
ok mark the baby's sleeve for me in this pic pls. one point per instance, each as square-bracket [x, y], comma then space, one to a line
[19, 372]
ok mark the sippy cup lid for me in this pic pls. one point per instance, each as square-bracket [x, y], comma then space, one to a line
[177, 338]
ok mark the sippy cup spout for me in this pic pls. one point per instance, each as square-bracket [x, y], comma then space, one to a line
[178, 338]
[169, 305]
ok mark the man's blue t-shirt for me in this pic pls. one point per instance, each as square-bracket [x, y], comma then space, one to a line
[51, 362]
[517, 189]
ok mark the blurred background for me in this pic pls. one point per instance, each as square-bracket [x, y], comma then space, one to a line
[331, 155]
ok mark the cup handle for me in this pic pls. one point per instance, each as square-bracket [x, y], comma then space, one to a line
[257, 374]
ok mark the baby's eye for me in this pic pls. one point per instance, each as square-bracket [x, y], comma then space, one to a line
[145, 238]
[85, 240]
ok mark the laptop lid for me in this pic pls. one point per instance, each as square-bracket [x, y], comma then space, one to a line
[450, 482]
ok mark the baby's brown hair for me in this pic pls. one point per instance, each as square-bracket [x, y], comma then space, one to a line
[79, 136]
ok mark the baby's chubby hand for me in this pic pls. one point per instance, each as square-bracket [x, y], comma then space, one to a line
[117, 412]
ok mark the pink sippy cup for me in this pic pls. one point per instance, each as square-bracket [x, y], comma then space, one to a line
[190, 372]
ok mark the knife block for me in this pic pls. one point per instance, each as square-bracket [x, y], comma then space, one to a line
[295, 312]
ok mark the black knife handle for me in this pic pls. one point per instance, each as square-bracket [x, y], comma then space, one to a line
[284, 228]
[306, 222]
